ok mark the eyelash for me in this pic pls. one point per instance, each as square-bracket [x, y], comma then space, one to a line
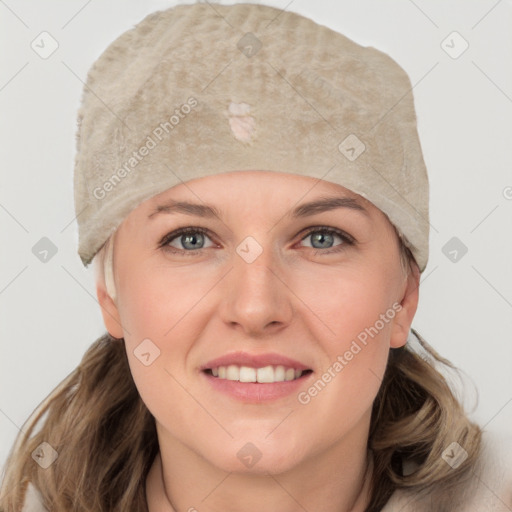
[347, 239]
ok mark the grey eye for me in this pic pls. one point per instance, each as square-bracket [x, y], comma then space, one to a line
[323, 238]
[192, 241]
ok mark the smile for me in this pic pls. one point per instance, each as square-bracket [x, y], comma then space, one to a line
[266, 374]
[256, 378]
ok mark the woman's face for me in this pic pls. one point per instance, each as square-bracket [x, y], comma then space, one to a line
[265, 290]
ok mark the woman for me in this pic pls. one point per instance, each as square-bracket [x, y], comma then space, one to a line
[252, 188]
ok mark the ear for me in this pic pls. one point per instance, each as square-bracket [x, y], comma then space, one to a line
[409, 303]
[109, 311]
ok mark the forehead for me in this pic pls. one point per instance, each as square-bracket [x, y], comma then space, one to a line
[258, 185]
[255, 193]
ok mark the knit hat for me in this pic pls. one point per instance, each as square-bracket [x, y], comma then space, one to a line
[201, 89]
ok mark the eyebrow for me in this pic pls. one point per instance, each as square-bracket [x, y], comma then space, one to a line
[320, 205]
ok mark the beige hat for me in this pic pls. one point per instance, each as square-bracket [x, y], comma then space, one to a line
[201, 89]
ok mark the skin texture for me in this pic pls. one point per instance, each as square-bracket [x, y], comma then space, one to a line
[294, 299]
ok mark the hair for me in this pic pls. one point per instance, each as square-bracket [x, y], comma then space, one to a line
[106, 437]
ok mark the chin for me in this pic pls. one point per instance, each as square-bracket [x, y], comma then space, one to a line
[260, 456]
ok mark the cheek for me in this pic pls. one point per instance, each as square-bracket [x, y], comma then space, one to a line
[161, 315]
[152, 304]
[350, 305]
[343, 391]
[356, 312]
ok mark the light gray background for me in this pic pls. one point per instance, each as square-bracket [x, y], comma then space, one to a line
[49, 314]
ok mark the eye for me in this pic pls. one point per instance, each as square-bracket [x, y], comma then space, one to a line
[190, 238]
[322, 237]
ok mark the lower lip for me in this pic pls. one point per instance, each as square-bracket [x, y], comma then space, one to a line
[256, 392]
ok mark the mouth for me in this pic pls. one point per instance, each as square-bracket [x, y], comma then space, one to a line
[256, 378]
[269, 374]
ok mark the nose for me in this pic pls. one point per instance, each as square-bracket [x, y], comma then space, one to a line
[256, 298]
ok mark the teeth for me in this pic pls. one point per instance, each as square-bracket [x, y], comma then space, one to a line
[267, 374]
[232, 372]
[279, 373]
[247, 374]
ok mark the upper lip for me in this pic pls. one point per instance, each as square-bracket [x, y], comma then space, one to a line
[254, 361]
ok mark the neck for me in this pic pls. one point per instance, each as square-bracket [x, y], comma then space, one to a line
[335, 481]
